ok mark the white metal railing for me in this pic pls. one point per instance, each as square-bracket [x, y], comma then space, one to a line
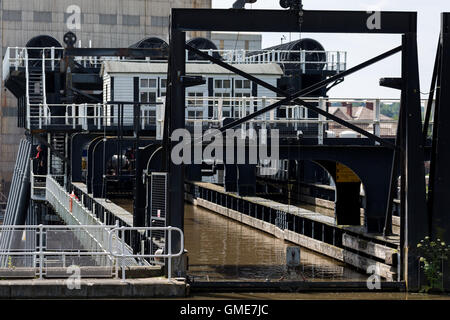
[122, 254]
[37, 185]
[198, 111]
[330, 60]
[50, 250]
[27, 89]
[306, 59]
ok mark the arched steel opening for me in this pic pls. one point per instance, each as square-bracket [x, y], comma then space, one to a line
[202, 44]
[162, 47]
[42, 41]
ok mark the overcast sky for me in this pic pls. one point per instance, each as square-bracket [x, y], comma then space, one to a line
[364, 84]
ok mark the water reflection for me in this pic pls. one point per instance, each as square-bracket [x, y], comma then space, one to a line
[223, 249]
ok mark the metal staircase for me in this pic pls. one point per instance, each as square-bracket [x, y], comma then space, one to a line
[18, 199]
[36, 97]
[58, 144]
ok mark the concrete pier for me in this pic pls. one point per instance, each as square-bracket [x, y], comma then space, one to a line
[93, 288]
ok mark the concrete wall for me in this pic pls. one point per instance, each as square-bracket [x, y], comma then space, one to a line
[107, 23]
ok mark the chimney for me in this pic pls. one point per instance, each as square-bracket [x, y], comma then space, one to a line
[369, 105]
[349, 108]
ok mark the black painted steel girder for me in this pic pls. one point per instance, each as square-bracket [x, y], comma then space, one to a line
[288, 21]
[295, 97]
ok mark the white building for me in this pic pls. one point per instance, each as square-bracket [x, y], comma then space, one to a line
[122, 81]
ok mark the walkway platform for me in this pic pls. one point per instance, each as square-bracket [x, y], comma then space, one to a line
[111, 211]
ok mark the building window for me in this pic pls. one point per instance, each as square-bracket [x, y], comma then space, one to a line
[163, 87]
[110, 19]
[158, 21]
[42, 16]
[131, 20]
[242, 84]
[222, 84]
[195, 99]
[242, 89]
[148, 89]
[195, 105]
[12, 15]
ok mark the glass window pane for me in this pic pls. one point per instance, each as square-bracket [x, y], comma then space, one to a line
[152, 96]
[238, 84]
[144, 97]
[144, 83]
[152, 83]
[163, 83]
[226, 83]
[218, 83]
[247, 84]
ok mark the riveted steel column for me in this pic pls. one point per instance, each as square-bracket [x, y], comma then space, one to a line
[176, 121]
[415, 219]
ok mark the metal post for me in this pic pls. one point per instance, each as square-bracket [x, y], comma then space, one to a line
[376, 120]
[41, 254]
[416, 220]
[73, 115]
[123, 253]
[169, 235]
[40, 116]
[176, 119]
[27, 89]
[53, 58]
[322, 105]
[338, 58]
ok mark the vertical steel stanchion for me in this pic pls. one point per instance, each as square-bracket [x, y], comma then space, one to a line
[123, 251]
[41, 256]
[169, 231]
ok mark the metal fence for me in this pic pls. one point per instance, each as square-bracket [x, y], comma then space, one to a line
[60, 247]
[210, 112]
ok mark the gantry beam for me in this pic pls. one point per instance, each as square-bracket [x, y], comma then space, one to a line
[288, 21]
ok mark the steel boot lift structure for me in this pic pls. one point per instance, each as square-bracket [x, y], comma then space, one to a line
[408, 159]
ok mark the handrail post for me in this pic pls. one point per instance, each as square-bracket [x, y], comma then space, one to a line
[73, 116]
[376, 120]
[53, 58]
[123, 254]
[40, 115]
[338, 58]
[322, 106]
[41, 254]
[44, 86]
[98, 116]
[169, 234]
[32, 177]
[27, 89]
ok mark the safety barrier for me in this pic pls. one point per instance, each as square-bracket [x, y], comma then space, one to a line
[57, 248]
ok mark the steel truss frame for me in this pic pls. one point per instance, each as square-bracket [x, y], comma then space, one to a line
[409, 148]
